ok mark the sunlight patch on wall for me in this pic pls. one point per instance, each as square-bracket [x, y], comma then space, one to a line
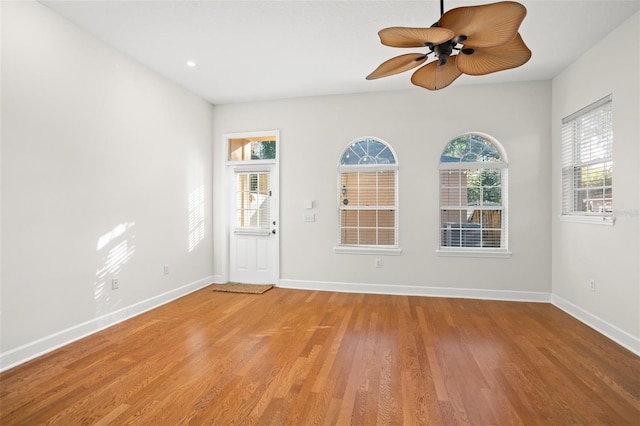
[117, 257]
[196, 217]
[120, 250]
[113, 234]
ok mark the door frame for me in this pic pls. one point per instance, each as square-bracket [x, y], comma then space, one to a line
[228, 179]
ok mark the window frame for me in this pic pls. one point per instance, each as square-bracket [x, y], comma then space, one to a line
[503, 165]
[570, 143]
[245, 192]
[342, 248]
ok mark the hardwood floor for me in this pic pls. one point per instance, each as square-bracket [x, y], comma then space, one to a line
[303, 357]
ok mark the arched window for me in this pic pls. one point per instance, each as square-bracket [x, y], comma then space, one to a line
[473, 196]
[368, 196]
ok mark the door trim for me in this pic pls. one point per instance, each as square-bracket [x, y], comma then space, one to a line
[228, 178]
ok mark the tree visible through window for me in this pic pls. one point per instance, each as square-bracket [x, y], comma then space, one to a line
[257, 148]
[587, 160]
[473, 173]
[367, 195]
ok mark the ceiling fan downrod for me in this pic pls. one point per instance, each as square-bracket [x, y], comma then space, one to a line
[444, 50]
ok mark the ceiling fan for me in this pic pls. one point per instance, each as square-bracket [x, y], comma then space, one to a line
[473, 40]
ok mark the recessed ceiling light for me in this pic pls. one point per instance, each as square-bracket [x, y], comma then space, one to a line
[191, 64]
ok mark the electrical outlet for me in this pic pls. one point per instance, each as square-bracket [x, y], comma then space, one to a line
[114, 283]
[166, 269]
[378, 263]
[592, 282]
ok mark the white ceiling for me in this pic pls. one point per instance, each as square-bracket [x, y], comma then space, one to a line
[260, 50]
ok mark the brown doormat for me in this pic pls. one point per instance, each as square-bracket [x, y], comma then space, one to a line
[242, 288]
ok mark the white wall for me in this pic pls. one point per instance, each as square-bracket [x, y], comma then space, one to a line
[418, 124]
[609, 255]
[99, 158]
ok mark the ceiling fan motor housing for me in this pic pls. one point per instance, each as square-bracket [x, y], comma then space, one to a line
[443, 51]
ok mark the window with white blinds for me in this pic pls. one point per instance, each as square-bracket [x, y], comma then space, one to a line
[252, 200]
[587, 160]
[473, 189]
[368, 195]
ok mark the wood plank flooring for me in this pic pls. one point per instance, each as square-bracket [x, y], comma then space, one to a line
[294, 357]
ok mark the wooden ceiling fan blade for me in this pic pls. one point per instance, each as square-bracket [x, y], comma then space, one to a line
[487, 25]
[435, 77]
[414, 37]
[397, 65]
[485, 61]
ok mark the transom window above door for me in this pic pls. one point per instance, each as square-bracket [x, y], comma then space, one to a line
[252, 148]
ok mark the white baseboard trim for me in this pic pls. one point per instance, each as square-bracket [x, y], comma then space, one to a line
[413, 290]
[218, 279]
[47, 344]
[603, 327]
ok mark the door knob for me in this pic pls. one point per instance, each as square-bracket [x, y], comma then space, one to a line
[273, 231]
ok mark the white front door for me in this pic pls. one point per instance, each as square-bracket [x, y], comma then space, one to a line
[252, 180]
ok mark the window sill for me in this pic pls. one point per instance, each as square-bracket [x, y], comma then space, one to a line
[594, 220]
[391, 251]
[469, 252]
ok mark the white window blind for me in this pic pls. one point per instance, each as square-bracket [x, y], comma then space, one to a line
[368, 208]
[473, 177]
[471, 207]
[252, 200]
[587, 160]
[368, 195]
